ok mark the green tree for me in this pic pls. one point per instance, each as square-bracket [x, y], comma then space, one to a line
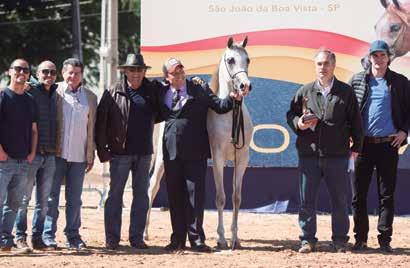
[38, 30]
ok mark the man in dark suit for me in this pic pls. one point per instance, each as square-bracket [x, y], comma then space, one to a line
[186, 150]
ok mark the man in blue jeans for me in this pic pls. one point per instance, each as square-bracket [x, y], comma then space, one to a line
[18, 143]
[383, 97]
[324, 115]
[42, 169]
[76, 108]
[124, 127]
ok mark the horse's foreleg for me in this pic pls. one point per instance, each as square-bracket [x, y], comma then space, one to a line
[241, 165]
[218, 167]
[155, 180]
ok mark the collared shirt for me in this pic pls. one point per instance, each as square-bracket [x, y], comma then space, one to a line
[75, 112]
[377, 113]
[325, 90]
[170, 93]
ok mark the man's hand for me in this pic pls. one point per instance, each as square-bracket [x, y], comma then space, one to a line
[239, 94]
[235, 95]
[399, 137]
[354, 155]
[3, 155]
[89, 167]
[307, 124]
[197, 80]
[31, 157]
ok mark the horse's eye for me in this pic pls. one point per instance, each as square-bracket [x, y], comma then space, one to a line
[395, 27]
[231, 61]
[248, 60]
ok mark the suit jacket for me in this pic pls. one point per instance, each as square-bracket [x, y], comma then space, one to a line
[185, 134]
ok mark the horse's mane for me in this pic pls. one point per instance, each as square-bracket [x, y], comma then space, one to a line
[215, 81]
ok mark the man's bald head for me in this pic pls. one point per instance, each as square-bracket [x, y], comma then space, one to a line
[46, 64]
[47, 73]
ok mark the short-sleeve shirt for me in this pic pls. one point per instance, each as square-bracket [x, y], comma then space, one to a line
[17, 114]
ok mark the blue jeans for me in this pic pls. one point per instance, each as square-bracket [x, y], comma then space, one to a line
[334, 172]
[41, 173]
[120, 167]
[74, 173]
[13, 178]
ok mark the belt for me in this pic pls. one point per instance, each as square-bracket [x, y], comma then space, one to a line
[378, 139]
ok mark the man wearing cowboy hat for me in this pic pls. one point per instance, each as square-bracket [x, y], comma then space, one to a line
[124, 126]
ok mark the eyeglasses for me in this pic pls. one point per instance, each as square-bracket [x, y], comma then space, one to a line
[178, 70]
[49, 71]
[18, 69]
[135, 69]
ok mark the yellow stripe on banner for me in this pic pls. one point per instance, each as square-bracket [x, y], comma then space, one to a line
[283, 63]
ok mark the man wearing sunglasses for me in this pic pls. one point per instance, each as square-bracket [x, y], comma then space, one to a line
[42, 169]
[18, 143]
[125, 121]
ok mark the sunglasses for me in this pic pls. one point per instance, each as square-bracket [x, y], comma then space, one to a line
[135, 69]
[18, 69]
[49, 72]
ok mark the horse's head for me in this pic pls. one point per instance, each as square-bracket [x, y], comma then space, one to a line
[234, 65]
[393, 26]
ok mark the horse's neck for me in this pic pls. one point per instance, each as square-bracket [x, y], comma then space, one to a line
[224, 82]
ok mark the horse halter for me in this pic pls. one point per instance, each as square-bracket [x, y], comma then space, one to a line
[233, 76]
[237, 130]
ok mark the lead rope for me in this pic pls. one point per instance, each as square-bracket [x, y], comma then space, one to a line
[237, 129]
[237, 125]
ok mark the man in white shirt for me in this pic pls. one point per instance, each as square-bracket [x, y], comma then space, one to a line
[76, 110]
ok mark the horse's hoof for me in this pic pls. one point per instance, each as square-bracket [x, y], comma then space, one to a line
[222, 245]
[236, 245]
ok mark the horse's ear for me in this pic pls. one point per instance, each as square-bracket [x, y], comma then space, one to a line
[230, 42]
[244, 42]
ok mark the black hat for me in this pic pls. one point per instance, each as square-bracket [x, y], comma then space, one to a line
[134, 60]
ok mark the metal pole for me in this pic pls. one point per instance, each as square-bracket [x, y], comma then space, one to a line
[112, 42]
[103, 47]
[108, 52]
[77, 51]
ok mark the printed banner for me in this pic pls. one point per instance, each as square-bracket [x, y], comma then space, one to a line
[283, 38]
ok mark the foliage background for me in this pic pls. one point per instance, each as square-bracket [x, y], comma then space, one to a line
[37, 30]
